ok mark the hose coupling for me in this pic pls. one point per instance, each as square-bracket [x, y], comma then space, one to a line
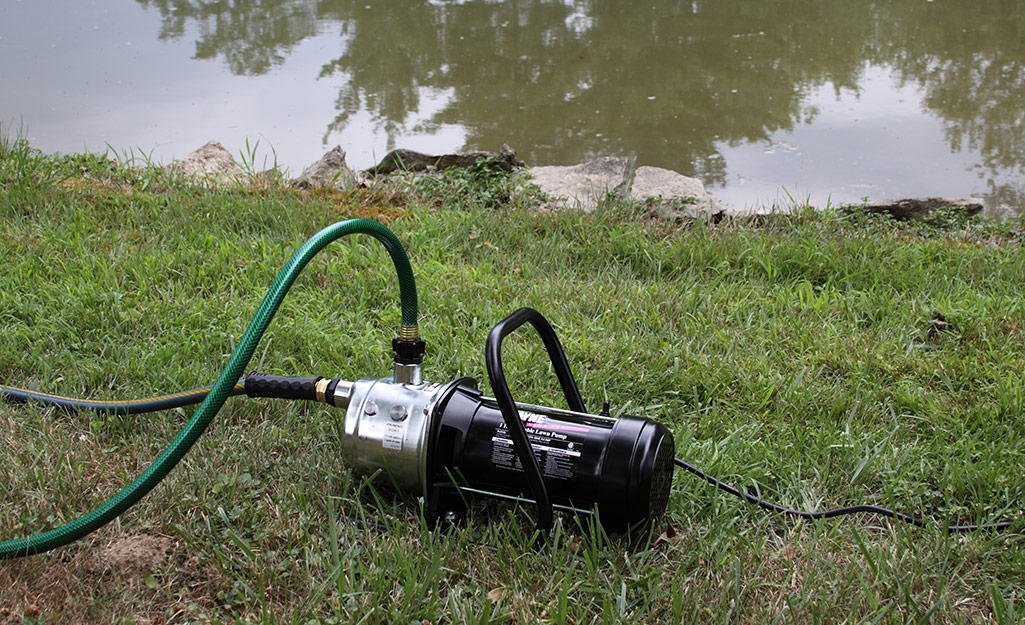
[409, 355]
[332, 391]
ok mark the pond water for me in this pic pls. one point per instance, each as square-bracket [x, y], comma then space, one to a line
[835, 100]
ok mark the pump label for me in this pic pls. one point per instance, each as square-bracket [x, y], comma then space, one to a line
[393, 434]
[556, 445]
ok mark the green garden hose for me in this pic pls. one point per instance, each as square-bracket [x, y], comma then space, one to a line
[225, 384]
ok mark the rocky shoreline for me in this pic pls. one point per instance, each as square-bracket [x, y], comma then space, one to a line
[584, 186]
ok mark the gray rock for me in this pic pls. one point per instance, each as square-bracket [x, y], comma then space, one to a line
[584, 186]
[330, 172]
[408, 160]
[919, 208]
[212, 163]
[674, 195]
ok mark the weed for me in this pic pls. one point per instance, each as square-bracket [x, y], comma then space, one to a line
[266, 176]
[24, 169]
[483, 185]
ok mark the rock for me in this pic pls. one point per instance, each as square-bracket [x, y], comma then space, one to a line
[584, 186]
[330, 172]
[919, 208]
[212, 162]
[674, 195]
[408, 160]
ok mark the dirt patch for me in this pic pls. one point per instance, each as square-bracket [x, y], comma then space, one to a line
[142, 552]
[142, 578]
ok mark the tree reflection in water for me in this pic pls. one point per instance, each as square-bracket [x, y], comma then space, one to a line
[666, 81]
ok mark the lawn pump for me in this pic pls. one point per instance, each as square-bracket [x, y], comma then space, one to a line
[444, 442]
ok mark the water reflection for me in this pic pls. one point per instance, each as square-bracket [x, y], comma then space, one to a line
[252, 37]
[970, 60]
[674, 83]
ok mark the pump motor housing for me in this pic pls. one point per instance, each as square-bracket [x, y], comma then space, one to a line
[444, 442]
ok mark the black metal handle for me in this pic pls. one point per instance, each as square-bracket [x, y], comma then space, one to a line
[511, 415]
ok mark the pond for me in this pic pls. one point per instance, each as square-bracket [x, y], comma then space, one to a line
[835, 101]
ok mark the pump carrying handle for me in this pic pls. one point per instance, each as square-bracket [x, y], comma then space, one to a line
[496, 375]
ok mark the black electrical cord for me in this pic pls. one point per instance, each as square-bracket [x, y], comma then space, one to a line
[131, 406]
[828, 514]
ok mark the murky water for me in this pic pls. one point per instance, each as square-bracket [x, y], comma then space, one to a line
[837, 100]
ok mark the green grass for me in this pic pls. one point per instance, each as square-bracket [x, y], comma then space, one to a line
[798, 357]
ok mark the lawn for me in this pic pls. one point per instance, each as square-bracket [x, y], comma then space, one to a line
[820, 359]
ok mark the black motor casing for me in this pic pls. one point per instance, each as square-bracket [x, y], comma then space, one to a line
[622, 467]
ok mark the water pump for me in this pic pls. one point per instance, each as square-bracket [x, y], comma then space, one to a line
[447, 441]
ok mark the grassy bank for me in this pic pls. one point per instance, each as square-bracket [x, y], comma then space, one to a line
[804, 358]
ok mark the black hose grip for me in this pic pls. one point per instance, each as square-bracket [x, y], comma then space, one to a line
[281, 386]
